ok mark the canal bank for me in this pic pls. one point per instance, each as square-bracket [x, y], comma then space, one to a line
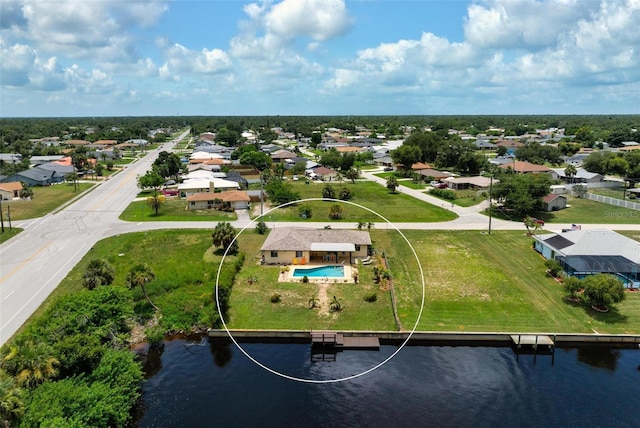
[433, 337]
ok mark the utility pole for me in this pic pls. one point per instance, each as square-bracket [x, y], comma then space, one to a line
[1, 216]
[261, 193]
[490, 203]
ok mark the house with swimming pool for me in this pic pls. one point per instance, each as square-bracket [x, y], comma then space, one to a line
[300, 246]
[588, 252]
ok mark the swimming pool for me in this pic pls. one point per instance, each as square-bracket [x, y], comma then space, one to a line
[320, 271]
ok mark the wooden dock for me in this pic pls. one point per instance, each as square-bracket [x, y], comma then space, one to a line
[338, 341]
[532, 340]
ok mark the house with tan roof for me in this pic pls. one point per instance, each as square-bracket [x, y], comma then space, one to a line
[316, 246]
[10, 190]
[225, 201]
[523, 167]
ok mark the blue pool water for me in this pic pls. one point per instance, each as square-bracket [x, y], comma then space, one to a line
[320, 271]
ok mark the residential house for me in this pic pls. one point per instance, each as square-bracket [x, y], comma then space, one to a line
[317, 246]
[554, 202]
[32, 177]
[419, 166]
[226, 201]
[588, 252]
[484, 145]
[523, 167]
[282, 155]
[576, 160]
[323, 173]
[10, 190]
[11, 158]
[464, 183]
[431, 174]
[204, 185]
[581, 176]
[39, 160]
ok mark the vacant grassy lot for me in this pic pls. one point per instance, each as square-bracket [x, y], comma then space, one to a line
[395, 207]
[612, 192]
[172, 210]
[8, 234]
[464, 198]
[45, 200]
[584, 211]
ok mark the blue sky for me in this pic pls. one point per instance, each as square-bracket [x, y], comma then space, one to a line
[318, 57]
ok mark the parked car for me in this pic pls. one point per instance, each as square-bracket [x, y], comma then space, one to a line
[537, 221]
[170, 182]
[388, 168]
[170, 192]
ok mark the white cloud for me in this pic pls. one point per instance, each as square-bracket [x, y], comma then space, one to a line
[181, 60]
[318, 19]
[17, 62]
[100, 31]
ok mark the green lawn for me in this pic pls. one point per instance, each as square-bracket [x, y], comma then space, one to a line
[464, 198]
[8, 233]
[45, 200]
[172, 210]
[395, 207]
[612, 192]
[479, 282]
[583, 211]
[586, 211]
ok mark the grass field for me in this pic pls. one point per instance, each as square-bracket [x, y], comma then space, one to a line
[8, 233]
[465, 198]
[586, 211]
[45, 200]
[474, 282]
[612, 192]
[172, 210]
[395, 207]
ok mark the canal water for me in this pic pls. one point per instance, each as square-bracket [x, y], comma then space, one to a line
[202, 384]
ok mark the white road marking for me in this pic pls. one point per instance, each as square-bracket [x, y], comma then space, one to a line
[9, 295]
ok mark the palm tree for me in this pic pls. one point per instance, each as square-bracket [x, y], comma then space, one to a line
[392, 183]
[11, 400]
[31, 363]
[139, 276]
[570, 171]
[155, 200]
[335, 305]
[335, 212]
[98, 273]
[224, 236]
[352, 174]
[361, 225]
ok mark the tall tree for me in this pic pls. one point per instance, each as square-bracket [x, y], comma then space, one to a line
[570, 171]
[167, 164]
[224, 236]
[328, 192]
[99, 272]
[406, 156]
[139, 276]
[392, 183]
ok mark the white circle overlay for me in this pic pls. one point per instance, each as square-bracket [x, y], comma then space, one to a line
[286, 376]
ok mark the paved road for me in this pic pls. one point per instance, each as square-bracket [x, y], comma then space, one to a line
[34, 262]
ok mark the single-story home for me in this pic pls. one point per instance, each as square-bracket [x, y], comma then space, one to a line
[324, 173]
[10, 190]
[588, 252]
[282, 155]
[228, 201]
[554, 202]
[11, 158]
[581, 176]
[523, 167]
[433, 174]
[317, 246]
[474, 183]
[204, 185]
[33, 177]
